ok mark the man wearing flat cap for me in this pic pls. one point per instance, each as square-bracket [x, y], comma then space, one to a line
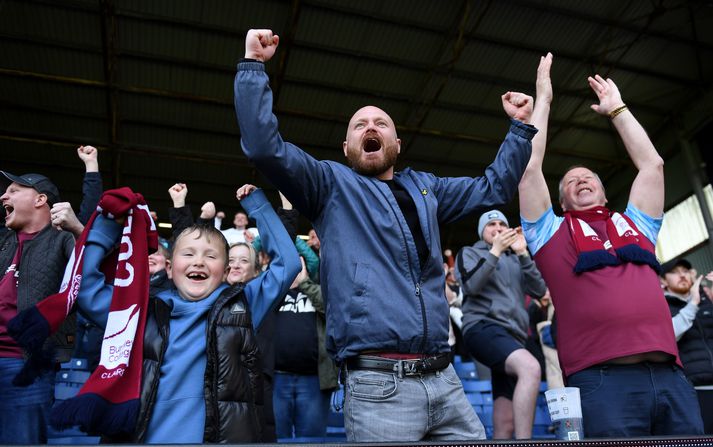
[692, 317]
[33, 255]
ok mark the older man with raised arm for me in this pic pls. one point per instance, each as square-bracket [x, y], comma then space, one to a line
[382, 272]
[615, 339]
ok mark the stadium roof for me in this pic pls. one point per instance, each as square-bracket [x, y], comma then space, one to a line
[150, 84]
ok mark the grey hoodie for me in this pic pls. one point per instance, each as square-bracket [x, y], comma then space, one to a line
[494, 288]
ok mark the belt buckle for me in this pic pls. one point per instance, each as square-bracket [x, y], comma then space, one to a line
[408, 367]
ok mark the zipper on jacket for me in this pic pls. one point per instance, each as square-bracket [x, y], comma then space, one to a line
[423, 318]
[416, 281]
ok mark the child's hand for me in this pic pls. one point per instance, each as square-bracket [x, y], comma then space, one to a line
[244, 191]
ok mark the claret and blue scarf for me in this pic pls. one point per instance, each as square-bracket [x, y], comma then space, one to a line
[109, 401]
[624, 237]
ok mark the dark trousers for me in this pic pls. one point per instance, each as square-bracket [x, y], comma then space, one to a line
[644, 399]
[705, 399]
[268, 431]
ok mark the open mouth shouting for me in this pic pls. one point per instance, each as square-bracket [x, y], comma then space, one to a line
[371, 144]
[8, 210]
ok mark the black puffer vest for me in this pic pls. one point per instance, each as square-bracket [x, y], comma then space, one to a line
[41, 269]
[233, 382]
[695, 347]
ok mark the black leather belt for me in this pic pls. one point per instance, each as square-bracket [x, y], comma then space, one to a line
[401, 367]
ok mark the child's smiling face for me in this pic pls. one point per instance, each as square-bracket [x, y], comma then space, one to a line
[198, 265]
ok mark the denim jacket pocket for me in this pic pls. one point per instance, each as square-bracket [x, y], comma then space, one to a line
[358, 306]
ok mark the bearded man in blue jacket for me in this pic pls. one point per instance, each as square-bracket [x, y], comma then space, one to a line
[381, 272]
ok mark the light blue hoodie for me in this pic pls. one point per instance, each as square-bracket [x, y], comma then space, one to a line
[179, 410]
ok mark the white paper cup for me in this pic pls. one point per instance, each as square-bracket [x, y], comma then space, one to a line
[565, 413]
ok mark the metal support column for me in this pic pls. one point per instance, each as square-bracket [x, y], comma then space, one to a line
[696, 178]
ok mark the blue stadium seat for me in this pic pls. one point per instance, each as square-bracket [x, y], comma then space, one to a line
[477, 386]
[72, 377]
[542, 432]
[302, 440]
[486, 415]
[542, 415]
[68, 382]
[542, 427]
[76, 365]
[474, 398]
[335, 419]
[466, 370]
[338, 398]
[336, 435]
[81, 439]
[64, 391]
[479, 394]
[541, 400]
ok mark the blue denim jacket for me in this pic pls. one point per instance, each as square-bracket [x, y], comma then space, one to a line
[378, 296]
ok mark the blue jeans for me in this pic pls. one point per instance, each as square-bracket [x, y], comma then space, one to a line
[380, 406]
[24, 411]
[299, 403]
[645, 399]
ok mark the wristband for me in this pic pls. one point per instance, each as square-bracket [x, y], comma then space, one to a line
[617, 111]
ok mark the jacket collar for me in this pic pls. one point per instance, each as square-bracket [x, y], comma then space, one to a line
[684, 298]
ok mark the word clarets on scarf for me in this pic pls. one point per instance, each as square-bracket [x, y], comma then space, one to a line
[624, 237]
[109, 401]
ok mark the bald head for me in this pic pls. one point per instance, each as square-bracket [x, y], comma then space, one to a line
[370, 111]
[371, 144]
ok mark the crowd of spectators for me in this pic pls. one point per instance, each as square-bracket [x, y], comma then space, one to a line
[249, 330]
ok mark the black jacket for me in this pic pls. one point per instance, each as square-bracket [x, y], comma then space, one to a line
[158, 282]
[41, 270]
[695, 347]
[233, 383]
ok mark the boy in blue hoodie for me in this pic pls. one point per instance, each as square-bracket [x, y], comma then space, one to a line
[201, 377]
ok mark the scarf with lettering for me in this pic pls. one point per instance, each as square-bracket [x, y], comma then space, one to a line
[624, 237]
[108, 403]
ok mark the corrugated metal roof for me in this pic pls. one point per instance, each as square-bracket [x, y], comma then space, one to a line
[162, 72]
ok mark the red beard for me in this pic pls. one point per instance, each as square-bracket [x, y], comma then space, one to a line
[374, 167]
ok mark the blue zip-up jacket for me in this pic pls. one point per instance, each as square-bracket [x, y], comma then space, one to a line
[378, 296]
